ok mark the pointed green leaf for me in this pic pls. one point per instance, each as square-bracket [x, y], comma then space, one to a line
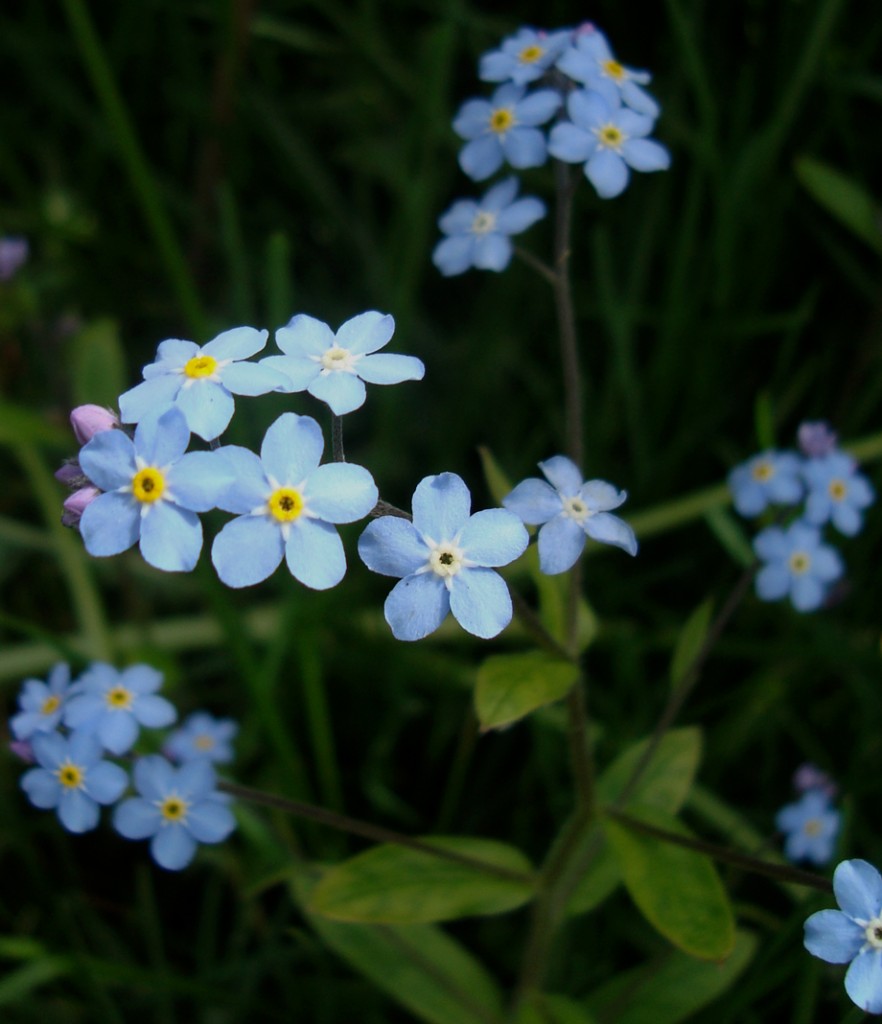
[497, 482]
[510, 686]
[690, 640]
[98, 365]
[18, 425]
[729, 531]
[394, 885]
[844, 198]
[667, 779]
[546, 1009]
[670, 988]
[678, 890]
[601, 878]
[420, 966]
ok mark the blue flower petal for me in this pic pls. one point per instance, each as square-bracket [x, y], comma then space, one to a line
[249, 488]
[154, 712]
[534, 501]
[771, 544]
[110, 524]
[563, 474]
[639, 99]
[173, 352]
[106, 782]
[84, 749]
[863, 980]
[806, 593]
[298, 371]
[588, 109]
[561, 543]
[390, 368]
[492, 251]
[292, 448]
[161, 437]
[608, 173]
[195, 780]
[609, 529]
[493, 537]
[846, 519]
[454, 255]
[341, 492]
[136, 818]
[154, 777]
[108, 460]
[77, 812]
[481, 157]
[210, 821]
[538, 107]
[314, 554]
[472, 119]
[42, 788]
[524, 147]
[480, 602]
[208, 407]
[252, 378]
[366, 332]
[441, 506]
[118, 731]
[247, 551]
[237, 343]
[82, 712]
[304, 336]
[520, 215]
[772, 582]
[343, 392]
[496, 198]
[571, 143]
[416, 606]
[173, 847]
[171, 537]
[393, 547]
[646, 155]
[858, 889]
[199, 479]
[141, 678]
[148, 396]
[460, 217]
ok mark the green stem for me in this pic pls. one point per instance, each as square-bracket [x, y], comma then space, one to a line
[337, 438]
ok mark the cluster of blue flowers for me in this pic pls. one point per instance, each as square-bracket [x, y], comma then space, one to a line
[68, 727]
[603, 119]
[797, 563]
[810, 825]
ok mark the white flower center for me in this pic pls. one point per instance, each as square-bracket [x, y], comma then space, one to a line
[873, 933]
[800, 562]
[446, 559]
[338, 360]
[610, 136]
[576, 509]
[483, 223]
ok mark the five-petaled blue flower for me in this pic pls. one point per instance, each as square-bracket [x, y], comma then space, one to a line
[72, 778]
[609, 139]
[837, 493]
[479, 231]
[287, 504]
[523, 57]
[854, 933]
[177, 809]
[201, 736]
[590, 61]
[569, 511]
[152, 491]
[41, 703]
[797, 565]
[334, 367]
[769, 478]
[201, 382]
[811, 826]
[505, 127]
[113, 704]
[446, 559]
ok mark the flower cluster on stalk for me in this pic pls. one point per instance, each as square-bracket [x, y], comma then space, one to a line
[825, 482]
[810, 824]
[71, 729]
[602, 117]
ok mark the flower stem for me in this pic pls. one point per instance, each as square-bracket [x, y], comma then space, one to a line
[337, 438]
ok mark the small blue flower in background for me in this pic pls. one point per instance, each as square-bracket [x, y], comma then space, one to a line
[523, 57]
[177, 809]
[479, 230]
[769, 478]
[837, 493]
[334, 367]
[569, 511]
[13, 256]
[446, 559]
[72, 778]
[797, 565]
[201, 736]
[41, 703]
[811, 826]
[505, 127]
[201, 382]
[287, 504]
[113, 705]
[854, 933]
[590, 61]
[152, 492]
[609, 139]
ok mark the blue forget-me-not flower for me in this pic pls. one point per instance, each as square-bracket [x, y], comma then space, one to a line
[797, 565]
[837, 493]
[286, 504]
[201, 382]
[523, 57]
[569, 510]
[446, 559]
[334, 367]
[41, 703]
[771, 478]
[114, 704]
[810, 826]
[72, 778]
[609, 139]
[479, 231]
[152, 491]
[505, 127]
[177, 809]
[853, 934]
[201, 736]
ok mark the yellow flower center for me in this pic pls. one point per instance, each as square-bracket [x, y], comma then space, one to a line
[203, 742]
[762, 472]
[837, 490]
[501, 120]
[70, 775]
[530, 54]
[285, 504]
[799, 563]
[200, 366]
[173, 809]
[483, 222]
[49, 705]
[148, 485]
[610, 136]
[812, 827]
[613, 69]
[446, 560]
[120, 698]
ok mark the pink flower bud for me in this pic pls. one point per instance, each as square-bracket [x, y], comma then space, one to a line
[76, 504]
[816, 439]
[89, 420]
[22, 749]
[69, 473]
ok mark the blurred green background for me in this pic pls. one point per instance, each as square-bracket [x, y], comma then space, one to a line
[180, 168]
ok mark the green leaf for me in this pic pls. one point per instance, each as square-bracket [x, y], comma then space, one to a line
[420, 966]
[18, 425]
[670, 988]
[97, 364]
[510, 686]
[842, 197]
[677, 890]
[690, 640]
[667, 779]
[553, 601]
[730, 533]
[601, 878]
[546, 1009]
[394, 885]
[497, 482]
[764, 421]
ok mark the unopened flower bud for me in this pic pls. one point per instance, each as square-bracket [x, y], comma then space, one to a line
[76, 504]
[816, 439]
[89, 420]
[70, 473]
[22, 750]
